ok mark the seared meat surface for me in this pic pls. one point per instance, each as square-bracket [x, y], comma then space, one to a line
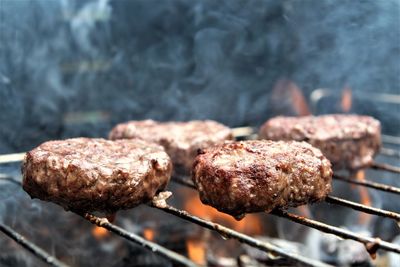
[348, 141]
[181, 140]
[96, 174]
[260, 175]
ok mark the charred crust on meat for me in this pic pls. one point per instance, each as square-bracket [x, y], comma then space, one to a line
[96, 174]
[181, 140]
[200, 151]
[348, 141]
[260, 175]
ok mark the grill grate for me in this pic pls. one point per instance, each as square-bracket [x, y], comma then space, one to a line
[230, 233]
[360, 207]
[385, 167]
[169, 254]
[390, 152]
[376, 242]
[35, 250]
[372, 244]
[367, 183]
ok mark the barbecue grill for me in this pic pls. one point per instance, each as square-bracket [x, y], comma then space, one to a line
[160, 202]
[77, 68]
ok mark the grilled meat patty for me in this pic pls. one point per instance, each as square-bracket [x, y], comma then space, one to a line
[348, 141]
[181, 140]
[260, 175]
[96, 174]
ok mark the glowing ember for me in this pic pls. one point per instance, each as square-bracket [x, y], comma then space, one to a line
[196, 251]
[346, 99]
[364, 198]
[148, 234]
[250, 225]
[99, 232]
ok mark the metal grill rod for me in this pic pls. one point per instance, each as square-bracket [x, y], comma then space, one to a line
[385, 167]
[389, 139]
[377, 186]
[103, 222]
[329, 199]
[155, 248]
[242, 131]
[238, 132]
[34, 249]
[389, 152]
[363, 208]
[229, 233]
[8, 158]
[372, 244]
[9, 179]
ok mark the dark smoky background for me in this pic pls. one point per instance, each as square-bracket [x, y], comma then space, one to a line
[75, 68]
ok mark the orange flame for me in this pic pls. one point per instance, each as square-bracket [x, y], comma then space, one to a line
[298, 100]
[286, 89]
[196, 251]
[99, 232]
[250, 225]
[346, 102]
[148, 234]
[364, 198]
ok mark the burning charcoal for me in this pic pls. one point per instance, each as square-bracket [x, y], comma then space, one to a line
[246, 261]
[270, 259]
[140, 257]
[215, 261]
[344, 252]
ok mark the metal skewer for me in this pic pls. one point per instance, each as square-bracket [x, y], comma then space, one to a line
[385, 167]
[229, 233]
[372, 244]
[363, 208]
[378, 186]
[28, 245]
[389, 152]
[329, 199]
[160, 250]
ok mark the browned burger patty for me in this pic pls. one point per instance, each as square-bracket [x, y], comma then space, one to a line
[348, 141]
[96, 174]
[181, 140]
[261, 175]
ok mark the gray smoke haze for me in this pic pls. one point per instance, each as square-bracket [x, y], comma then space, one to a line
[181, 60]
[75, 68]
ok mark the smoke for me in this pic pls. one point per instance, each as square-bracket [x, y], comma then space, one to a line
[347, 43]
[181, 60]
